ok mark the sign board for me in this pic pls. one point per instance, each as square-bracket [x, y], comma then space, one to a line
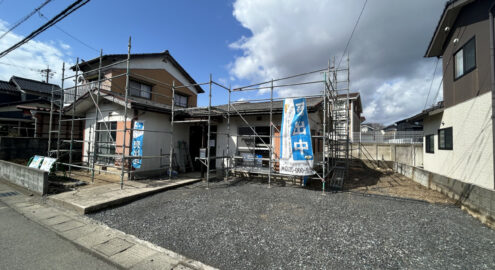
[137, 143]
[36, 162]
[47, 164]
[202, 153]
[296, 151]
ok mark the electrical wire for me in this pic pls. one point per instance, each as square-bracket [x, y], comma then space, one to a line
[18, 66]
[431, 84]
[68, 34]
[66, 12]
[25, 18]
[352, 33]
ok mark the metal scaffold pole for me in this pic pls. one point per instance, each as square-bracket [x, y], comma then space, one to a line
[126, 100]
[349, 128]
[208, 138]
[50, 124]
[229, 162]
[324, 164]
[60, 109]
[172, 115]
[73, 115]
[271, 137]
[95, 135]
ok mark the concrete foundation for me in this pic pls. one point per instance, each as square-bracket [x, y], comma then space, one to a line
[33, 179]
[477, 200]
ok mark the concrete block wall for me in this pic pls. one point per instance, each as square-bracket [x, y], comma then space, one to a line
[479, 201]
[32, 179]
[411, 154]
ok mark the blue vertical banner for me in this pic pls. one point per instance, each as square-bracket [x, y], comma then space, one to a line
[296, 151]
[137, 143]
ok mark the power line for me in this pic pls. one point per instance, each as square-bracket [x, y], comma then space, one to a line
[18, 66]
[431, 84]
[70, 35]
[352, 33]
[66, 12]
[438, 91]
[25, 18]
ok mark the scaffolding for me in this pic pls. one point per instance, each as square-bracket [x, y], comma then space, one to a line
[332, 133]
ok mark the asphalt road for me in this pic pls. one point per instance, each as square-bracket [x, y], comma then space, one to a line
[27, 245]
[244, 225]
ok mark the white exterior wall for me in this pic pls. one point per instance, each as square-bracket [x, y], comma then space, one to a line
[471, 159]
[236, 122]
[154, 143]
[110, 112]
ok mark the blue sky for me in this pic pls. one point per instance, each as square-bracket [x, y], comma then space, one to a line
[247, 41]
[197, 33]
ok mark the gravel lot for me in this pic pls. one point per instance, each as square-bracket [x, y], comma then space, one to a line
[245, 225]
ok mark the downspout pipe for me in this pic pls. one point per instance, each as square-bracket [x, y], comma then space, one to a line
[492, 77]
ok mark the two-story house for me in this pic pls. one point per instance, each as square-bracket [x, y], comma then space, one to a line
[459, 140]
[149, 102]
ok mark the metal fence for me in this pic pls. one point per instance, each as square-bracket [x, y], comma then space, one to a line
[391, 137]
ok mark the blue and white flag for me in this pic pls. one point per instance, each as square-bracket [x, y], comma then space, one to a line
[296, 151]
[137, 143]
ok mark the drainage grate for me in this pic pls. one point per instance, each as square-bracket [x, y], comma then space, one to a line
[7, 194]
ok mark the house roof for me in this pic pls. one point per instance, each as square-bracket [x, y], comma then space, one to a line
[247, 108]
[88, 65]
[448, 18]
[7, 87]
[85, 102]
[38, 101]
[33, 86]
[420, 116]
[312, 104]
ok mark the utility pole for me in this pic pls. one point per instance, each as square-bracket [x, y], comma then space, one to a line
[47, 73]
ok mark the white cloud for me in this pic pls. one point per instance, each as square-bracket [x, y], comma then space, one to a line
[27, 60]
[386, 52]
[64, 46]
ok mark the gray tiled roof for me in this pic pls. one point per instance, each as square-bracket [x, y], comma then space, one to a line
[7, 86]
[35, 86]
[249, 107]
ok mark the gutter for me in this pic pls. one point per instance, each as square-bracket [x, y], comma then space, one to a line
[492, 77]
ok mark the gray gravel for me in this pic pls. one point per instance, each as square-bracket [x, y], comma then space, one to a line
[245, 225]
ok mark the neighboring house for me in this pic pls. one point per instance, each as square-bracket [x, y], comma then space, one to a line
[458, 140]
[16, 95]
[151, 76]
[366, 128]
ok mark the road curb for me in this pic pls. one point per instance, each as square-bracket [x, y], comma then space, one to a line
[122, 250]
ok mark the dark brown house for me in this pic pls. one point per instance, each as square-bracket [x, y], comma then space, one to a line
[459, 139]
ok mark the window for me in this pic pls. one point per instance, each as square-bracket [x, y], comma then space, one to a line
[445, 139]
[251, 139]
[138, 89]
[430, 143]
[180, 100]
[465, 59]
[106, 134]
